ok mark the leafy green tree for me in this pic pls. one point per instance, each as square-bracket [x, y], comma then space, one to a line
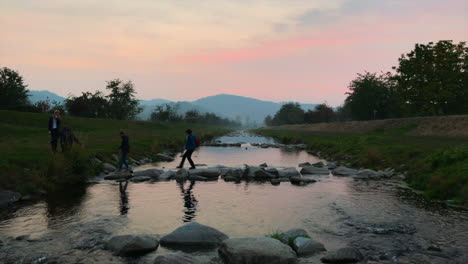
[322, 113]
[432, 79]
[88, 105]
[165, 113]
[122, 103]
[372, 97]
[290, 113]
[12, 88]
[268, 120]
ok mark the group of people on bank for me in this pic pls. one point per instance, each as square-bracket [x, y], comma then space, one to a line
[67, 138]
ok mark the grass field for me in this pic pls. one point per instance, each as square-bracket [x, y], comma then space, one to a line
[27, 162]
[436, 165]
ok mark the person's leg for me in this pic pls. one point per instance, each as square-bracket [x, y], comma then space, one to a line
[189, 158]
[181, 165]
[121, 161]
[125, 159]
[54, 138]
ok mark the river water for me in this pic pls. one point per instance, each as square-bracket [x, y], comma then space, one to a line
[383, 220]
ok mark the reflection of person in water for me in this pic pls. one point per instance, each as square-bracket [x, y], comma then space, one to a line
[123, 197]
[190, 202]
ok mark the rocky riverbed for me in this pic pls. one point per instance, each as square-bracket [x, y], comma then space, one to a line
[272, 204]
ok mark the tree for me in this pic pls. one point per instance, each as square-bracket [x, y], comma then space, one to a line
[372, 97]
[88, 105]
[321, 113]
[432, 79]
[268, 120]
[290, 113]
[122, 103]
[12, 89]
[165, 113]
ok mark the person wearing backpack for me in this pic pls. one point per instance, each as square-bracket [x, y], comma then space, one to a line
[191, 144]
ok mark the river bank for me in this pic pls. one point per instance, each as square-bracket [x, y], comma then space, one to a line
[243, 201]
[28, 166]
[435, 165]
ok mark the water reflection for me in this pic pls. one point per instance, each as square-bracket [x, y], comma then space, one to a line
[190, 202]
[62, 207]
[123, 205]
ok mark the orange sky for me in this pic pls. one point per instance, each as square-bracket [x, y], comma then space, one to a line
[295, 50]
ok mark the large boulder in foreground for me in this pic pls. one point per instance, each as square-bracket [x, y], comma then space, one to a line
[306, 246]
[343, 171]
[258, 250]
[174, 258]
[194, 235]
[132, 244]
[343, 255]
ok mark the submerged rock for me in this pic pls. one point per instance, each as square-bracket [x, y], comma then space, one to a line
[344, 171]
[258, 250]
[306, 246]
[194, 235]
[174, 258]
[343, 255]
[301, 180]
[132, 244]
[315, 170]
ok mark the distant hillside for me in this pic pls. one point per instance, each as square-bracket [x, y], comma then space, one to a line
[245, 109]
[36, 96]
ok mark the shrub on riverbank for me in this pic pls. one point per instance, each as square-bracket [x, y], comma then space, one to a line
[27, 162]
[436, 165]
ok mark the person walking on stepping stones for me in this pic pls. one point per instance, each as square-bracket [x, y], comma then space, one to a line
[191, 144]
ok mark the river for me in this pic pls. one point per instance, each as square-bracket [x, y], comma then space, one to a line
[382, 219]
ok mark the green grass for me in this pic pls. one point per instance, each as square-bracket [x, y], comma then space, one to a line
[277, 235]
[26, 161]
[438, 166]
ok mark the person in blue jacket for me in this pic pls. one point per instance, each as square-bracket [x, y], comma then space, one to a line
[190, 146]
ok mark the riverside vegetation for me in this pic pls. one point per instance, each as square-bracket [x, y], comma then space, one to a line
[435, 165]
[27, 164]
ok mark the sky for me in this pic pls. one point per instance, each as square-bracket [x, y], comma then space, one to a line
[279, 50]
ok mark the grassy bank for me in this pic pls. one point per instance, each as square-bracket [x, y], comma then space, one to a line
[26, 161]
[438, 166]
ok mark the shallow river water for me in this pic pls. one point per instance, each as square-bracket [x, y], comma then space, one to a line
[383, 220]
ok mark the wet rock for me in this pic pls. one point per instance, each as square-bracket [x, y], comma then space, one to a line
[167, 175]
[332, 165]
[343, 255]
[109, 167]
[140, 179]
[305, 164]
[318, 164]
[197, 178]
[291, 234]
[236, 173]
[344, 171]
[259, 250]
[315, 170]
[194, 235]
[275, 181]
[209, 172]
[387, 228]
[154, 173]
[200, 165]
[368, 174]
[273, 171]
[231, 179]
[301, 180]
[9, 197]
[118, 175]
[181, 174]
[96, 160]
[306, 246]
[251, 170]
[164, 157]
[174, 258]
[263, 165]
[132, 244]
[22, 237]
[263, 175]
[288, 172]
[284, 179]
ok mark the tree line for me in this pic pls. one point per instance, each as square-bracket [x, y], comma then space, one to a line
[432, 79]
[120, 103]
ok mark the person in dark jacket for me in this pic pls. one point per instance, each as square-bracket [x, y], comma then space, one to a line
[54, 129]
[124, 149]
[190, 146]
[67, 138]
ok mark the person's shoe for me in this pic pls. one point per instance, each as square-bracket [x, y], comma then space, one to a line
[179, 167]
[192, 168]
